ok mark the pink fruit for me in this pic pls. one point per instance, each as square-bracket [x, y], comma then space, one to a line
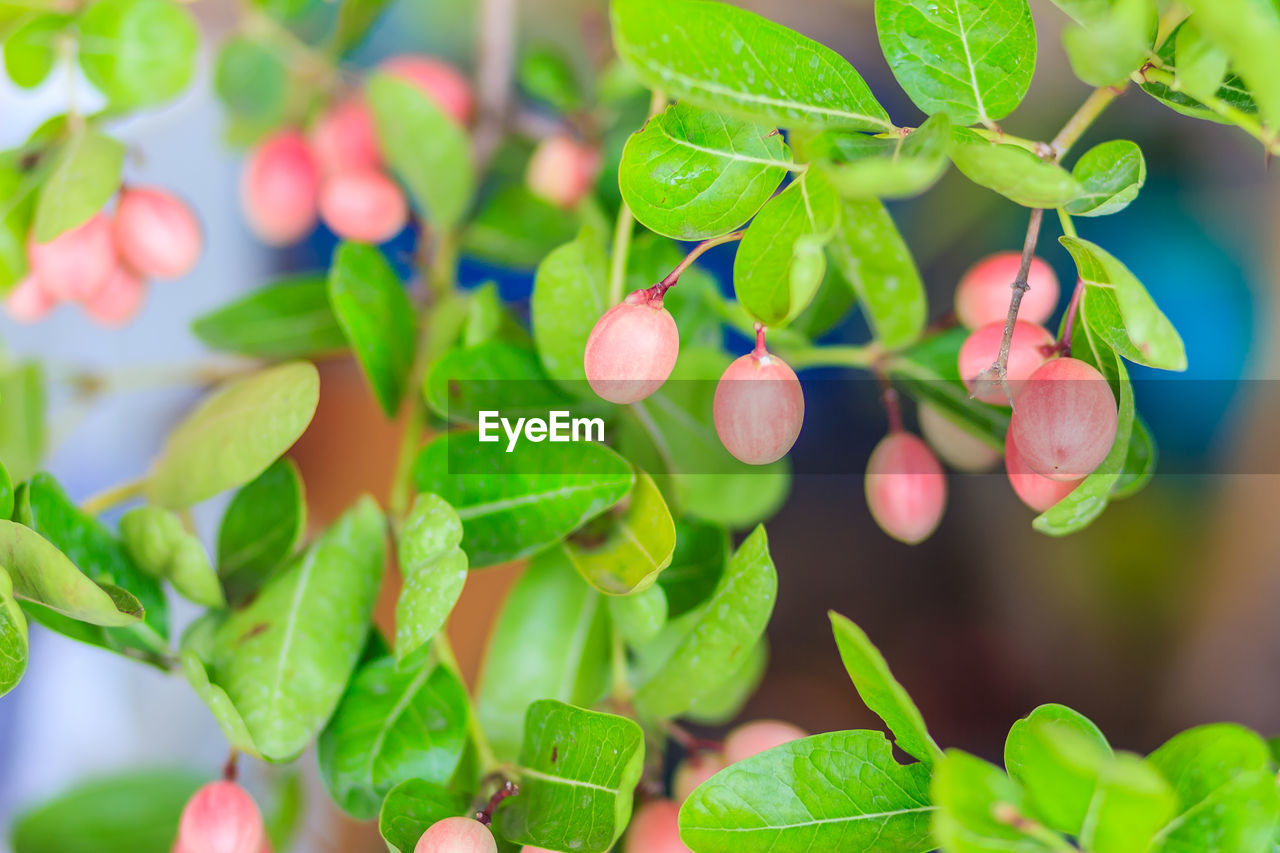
[958, 447]
[221, 818]
[344, 138]
[1036, 491]
[438, 80]
[758, 408]
[76, 264]
[280, 189]
[632, 349]
[906, 489]
[693, 771]
[1064, 419]
[117, 303]
[984, 291]
[655, 828]
[757, 737]
[363, 205]
[28, 302]
[156, 233]
[457, 835]
[1027, 351]
[562, 170]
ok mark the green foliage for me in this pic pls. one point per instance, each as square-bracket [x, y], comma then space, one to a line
[434, 570]
[291, 318]
[161, 546]
[1111, 173]
[17, 188]
[1013, 171]
[861, 166]
[1247, 31]
[575, 274]
[409, 810]
[263, 524]
[638, 545]
[1057, 791]
[85, 175]
[13, 637]
[22, 418]
[1111, 40]
[139, 53]
[29, 51]
[548, 75]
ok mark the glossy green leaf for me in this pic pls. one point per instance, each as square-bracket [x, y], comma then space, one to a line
[375, 313]
[434, 570]
[30, 50]
[639, 545]
[85, 176]
[355, 18]
[639, 617]
[1058, 792]
[22, 416]
[1111, 173]
[13, 637]
[518, 503]
[863, 166]
[425, 147]
[1139, 463]
[881, 692]
[234, 434]
[285, 658]
[410, 809]
[252, 80]
[1232, 92]
[971, 59]
[547, 74]
[725, 703]
[1012, 171]
[1248, 31]
[18, 189]
[496, 376]
[289, 319]
[752, 67]
[1201, 65]
[977, 808]
[1121, 312]
[577, 772]
[870, 253]
[780, 263]
[692, 174]
[159, 543]
[1132, 802]
[835, 791]
[392, 726]
[263, 524]
[6, 493]
[225, 713]
[138, 52]
[725, 628]
[929, 373]
[1112, 43]
[700, 555]
[569, 296]
[551, 641]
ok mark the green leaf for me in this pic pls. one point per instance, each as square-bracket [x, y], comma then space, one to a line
[1232, 90]
[1226, 792]
[29, 51]
[780, 264]
[6, 493]
[751, 67]
[159, 543]
[425, 147]
[375, 313]
[547, 74]
[639, 617]
[252, 80]
[577, 771]
[1248, 31]
[234, 434]
[495, 376]
[692, 174]
[13, 637]
[869, 252]
[1139, 462]
[881, 692]
[1113, 43]
[392, 726]
[518, 503]
[289, 319]
[434, 570]
[355, 18]
[971, 59]
[1058, 792]
[514, 228]
[550, 641]
[725, 629]
[639, 546]
[1201, 65]
[731, 695]
[285, 658]
[1132, 802]
[929, 372]
[224, 711]
[18, 188]
[863, 166]
[135, 812]
[835, 791]
[263, 524]
[138, 52]
[22, 429]
[1121, 312]
[976, 802]
[411, 808]
[1111, 174]
[569, 296]
[701, 553]
[85, 176]
[1012, 171]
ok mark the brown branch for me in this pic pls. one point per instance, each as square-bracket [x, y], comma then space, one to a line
[999, 369]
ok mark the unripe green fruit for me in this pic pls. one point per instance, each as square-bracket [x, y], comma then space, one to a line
[757, 737]
[758, 408]
[1029, 348]
[906, 489]
[958, 447]
[221, 818]
[632, 349]
[983, 294]
[1064, 419]
[457, 835]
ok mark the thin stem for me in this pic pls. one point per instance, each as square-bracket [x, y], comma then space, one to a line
[1068, 225]
[1099, 99]
[484, 752]
[761, 350]
[494, 73]
[508, 789]
[625, 223]
[231, 768]
[999, 369]
[1069, 321]
[114, 496]
[892, 404]
[695, 253]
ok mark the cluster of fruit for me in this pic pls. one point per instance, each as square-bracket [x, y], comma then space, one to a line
[103, 265]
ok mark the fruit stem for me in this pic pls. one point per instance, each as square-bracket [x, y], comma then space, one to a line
[508, 789]
[114, 496]
[231, 768]
[760, 351]
[698, 251]
[1069, 320]
[892, 403]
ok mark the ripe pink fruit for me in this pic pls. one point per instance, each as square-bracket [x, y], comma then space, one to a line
[1027, 351]
[28, 302]
[438, 80]
[632, 349]
[280, 189]
[758, 408]
[1064, 419]
[754, 738]
[983, 294]
[156, 233]
[221, 818]
[76, 264]
[364, 205]
[906, 489]
[1036, 491]
[457, 835]
[117, 303]
[344, 138]
[562, 170]
[655, 828]
[693, 771]
[958, 447]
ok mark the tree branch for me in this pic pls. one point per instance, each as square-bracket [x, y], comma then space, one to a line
[494, 73]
